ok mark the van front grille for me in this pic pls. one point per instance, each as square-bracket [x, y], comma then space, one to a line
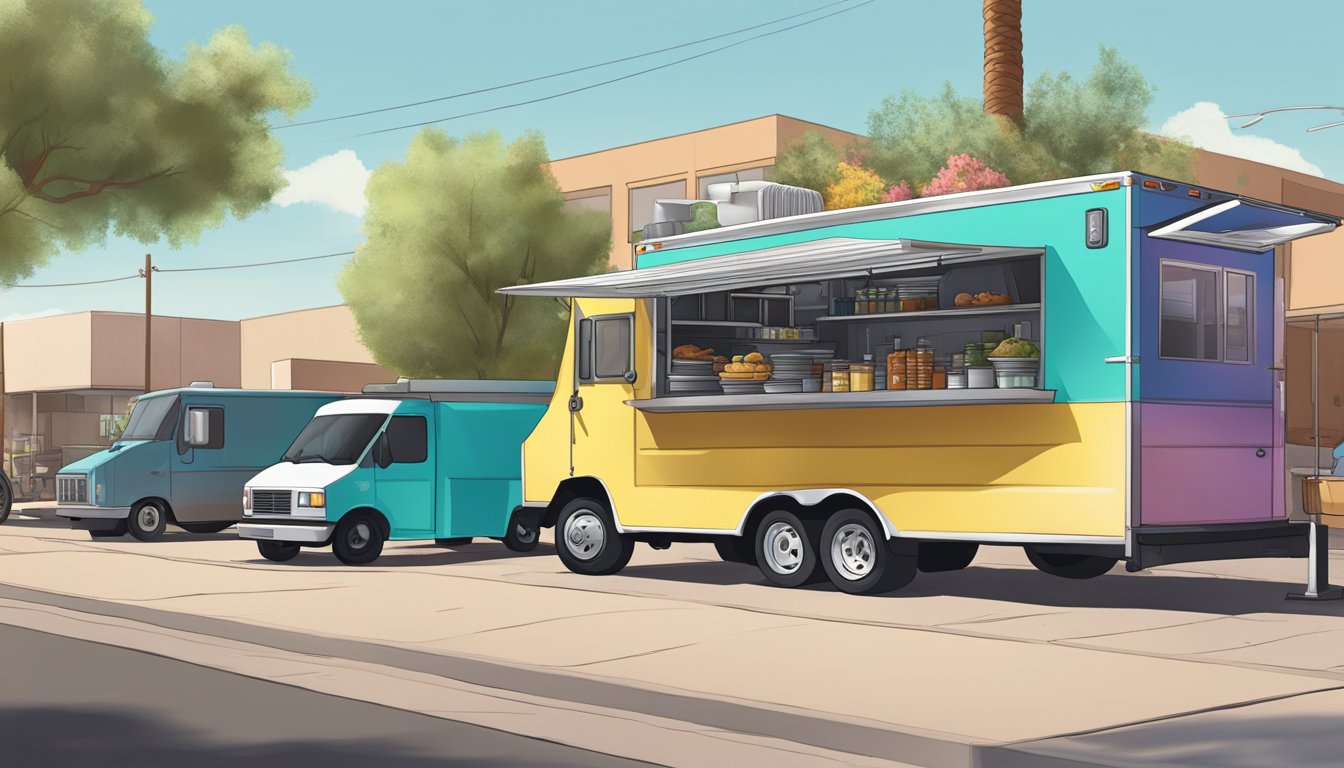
[271, 502]
[72, 489]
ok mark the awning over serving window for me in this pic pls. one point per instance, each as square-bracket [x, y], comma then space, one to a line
[834, 257]
[1245, 226]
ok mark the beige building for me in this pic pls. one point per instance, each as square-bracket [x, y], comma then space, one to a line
[67, 379]
[624, 181]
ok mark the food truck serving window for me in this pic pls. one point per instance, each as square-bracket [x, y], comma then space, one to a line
[606, 348]
[1207, 313]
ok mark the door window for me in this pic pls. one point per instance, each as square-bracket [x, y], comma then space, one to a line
[1239, 307]
[605, 348]
[407, 439]
[1208, 313]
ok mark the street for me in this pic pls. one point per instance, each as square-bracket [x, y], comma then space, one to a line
[684, 660]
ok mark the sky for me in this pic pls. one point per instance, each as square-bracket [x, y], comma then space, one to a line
[1205, 58]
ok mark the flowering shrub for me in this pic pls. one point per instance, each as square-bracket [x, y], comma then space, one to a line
[898, 193]
[963, 173]
[855, 186]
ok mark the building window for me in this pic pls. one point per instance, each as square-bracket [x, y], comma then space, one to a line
[606, 351]
[595, 199]
[1207, 314]
[641, 204]
[407, 439]
[751, 174]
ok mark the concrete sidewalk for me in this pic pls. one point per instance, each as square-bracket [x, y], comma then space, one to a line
[997, 660]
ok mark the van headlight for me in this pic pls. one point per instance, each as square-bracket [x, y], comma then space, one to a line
[315, 499]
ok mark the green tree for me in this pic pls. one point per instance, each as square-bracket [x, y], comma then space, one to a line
[100, 132]
[446, 229]
[1068, 128]
[810, 161]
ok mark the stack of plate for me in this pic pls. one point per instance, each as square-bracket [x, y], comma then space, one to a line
[692, 367]
[743, 386]
[792, 366]
[679, 383]
[783, 387]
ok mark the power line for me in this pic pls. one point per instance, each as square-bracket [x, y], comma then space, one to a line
[556, 74]
[185, 269]
[616, 79]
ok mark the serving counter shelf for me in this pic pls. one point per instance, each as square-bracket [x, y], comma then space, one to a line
[996, 309]
[808, 401]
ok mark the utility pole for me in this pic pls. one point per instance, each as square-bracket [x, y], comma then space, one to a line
[148, 274]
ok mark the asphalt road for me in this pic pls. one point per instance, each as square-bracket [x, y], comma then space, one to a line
[70, 703]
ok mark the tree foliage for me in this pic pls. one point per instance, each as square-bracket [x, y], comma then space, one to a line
[963, 173]
[1069, 127]
[99, 131]
[810, 161]
[446, 229]
[855, 185]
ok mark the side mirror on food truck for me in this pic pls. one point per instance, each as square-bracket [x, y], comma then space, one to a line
[198, 427]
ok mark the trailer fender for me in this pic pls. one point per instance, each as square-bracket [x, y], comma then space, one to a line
[814, 498]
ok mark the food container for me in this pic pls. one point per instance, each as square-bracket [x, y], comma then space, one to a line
[861, 377]
[956, 379]
[930, 302]
[979, 377]
[896, 362]
[939, 377]
[811, 383]
[911, 305]
[1015, 372]
[975, 355]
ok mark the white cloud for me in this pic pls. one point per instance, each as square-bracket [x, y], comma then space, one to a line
[1207, 127]
[336, 181]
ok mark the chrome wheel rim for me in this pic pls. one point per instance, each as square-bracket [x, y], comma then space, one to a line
[360, 535]
[584, 535]
[853, 552]
[148, 517]
[783, 548]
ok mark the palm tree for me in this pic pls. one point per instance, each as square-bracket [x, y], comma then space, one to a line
[1003, 58]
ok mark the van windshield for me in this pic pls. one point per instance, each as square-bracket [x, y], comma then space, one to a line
[337, 439]
[150, 419]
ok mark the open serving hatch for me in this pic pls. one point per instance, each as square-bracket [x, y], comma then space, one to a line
[1245, 225]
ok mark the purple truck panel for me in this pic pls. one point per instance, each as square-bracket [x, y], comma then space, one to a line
[1199, 464]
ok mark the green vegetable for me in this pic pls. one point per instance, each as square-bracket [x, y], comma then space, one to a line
[1015, 347]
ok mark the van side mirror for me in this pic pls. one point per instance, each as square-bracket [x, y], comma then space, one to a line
[198, 428]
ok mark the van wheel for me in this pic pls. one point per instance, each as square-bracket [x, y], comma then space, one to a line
[278, 551]
[736, 549]
[587, 541]
[786, 549]
[147, 520]
[939, 556]
[859, 560]
[1070, 566]
[358, 539]
[521, 536]
[205, 527]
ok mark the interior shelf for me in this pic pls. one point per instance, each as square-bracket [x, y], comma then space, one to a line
[998, 309]
[717, 323]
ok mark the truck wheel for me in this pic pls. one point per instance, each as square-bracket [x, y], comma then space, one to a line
[6, 497]
[521, 536]
[736, 549]
[786, 549]
[147, 520]
[278, 551]
[358, 539]
[938, 556]
[205, 527]
[587, 541]
[1070, 566]
[858, 558]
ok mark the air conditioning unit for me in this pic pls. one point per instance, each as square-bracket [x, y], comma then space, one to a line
[737, 203]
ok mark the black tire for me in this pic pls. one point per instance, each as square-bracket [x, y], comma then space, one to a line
[205, 527]
[523, 537]
[785, 548]
[6, 497]
[587, 541]
[119, 530]
[859, 560]
[736, 549]
[278, 551]
[147, 520]
[1070, 566]
[358, 539]
[939, 556]
[457, 541]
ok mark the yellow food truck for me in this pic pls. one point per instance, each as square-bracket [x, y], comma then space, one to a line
[1084, 368]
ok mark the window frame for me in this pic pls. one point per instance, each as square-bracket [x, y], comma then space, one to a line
[585, 362]
[387, 430]
[1220, 274]
[217, 438]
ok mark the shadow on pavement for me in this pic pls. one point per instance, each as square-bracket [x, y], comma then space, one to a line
[414, 557]
[1150, 590]
[56, 736]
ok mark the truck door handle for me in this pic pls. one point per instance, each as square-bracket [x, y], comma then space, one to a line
[575, 404]
[1260, 453]
[156, 473]
[1123, 359]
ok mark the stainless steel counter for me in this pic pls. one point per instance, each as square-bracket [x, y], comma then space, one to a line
[807, 401]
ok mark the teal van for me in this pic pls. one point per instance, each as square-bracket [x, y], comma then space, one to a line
[183, 459]
[437, 460]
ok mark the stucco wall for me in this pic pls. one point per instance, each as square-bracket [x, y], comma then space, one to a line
[327, 376]
[326, 333]
[184, 350]
[48, 353]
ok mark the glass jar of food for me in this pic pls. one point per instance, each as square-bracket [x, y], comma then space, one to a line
[861, 302]
[861, 377]
[939, 376]
[896, 369]
[919, 375]
[839, 377]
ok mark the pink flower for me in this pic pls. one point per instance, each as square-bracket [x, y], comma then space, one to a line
[898, 193]
[963, 173]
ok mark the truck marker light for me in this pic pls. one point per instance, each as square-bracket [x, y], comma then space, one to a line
[1104, 186]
